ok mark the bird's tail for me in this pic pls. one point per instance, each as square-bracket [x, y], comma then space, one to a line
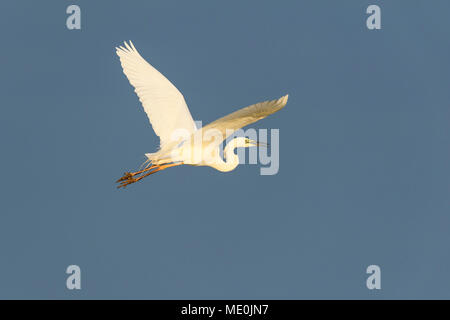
[158, 158]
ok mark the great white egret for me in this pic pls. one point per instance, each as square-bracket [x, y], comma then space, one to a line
[169, 116]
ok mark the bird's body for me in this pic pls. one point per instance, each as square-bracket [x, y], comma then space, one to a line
[180, 140]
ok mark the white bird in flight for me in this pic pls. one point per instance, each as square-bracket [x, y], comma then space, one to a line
[172, 122]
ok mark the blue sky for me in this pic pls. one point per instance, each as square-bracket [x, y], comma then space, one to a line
[364, 151]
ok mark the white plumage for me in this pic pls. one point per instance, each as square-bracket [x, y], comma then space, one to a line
[168, 114]
[164, 104]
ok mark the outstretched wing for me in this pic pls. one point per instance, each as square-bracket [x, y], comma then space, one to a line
[245, 116]
[164, 104]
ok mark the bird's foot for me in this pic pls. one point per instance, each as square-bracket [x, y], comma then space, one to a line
[132, 177]
[124, 183]
[126, 176]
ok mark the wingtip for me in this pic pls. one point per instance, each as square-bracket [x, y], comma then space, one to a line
[127, 47]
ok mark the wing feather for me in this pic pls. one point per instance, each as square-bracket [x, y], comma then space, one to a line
[245, 116]
[163, 103]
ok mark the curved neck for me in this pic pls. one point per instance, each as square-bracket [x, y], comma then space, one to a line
[231, 159]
